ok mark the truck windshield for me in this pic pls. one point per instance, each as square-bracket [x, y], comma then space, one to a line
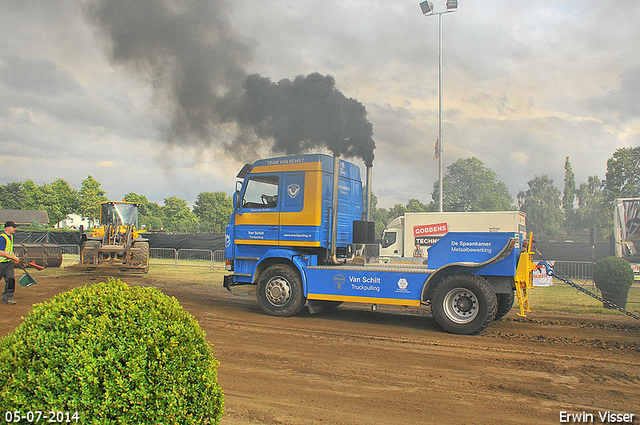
[261, 192]
[117, 214]
[388, 239]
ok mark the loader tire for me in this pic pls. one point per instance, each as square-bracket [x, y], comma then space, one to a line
[505, 304]
[280, 291]
[141, 258]
[88, 251]
[464, 304]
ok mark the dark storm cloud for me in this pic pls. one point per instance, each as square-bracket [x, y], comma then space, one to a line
[185, 48]
[197, 63]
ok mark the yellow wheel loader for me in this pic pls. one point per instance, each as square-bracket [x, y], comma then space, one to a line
[117, 244]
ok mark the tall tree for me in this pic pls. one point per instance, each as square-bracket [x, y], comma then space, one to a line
[89, 199]
[67, 196]
[151, 215]
[415, 205]
[470, 186]
[398, 210]
[593, 208]
[623, 174]
[58, 199]
[569, 196]
[541, 202]
[12, 196]
[134, 197]
[179, 218]
[213, 210]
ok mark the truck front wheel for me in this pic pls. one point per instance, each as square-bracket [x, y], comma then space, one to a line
[280, 291]
[464, 304]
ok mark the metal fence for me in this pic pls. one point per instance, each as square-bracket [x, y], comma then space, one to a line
[215, 259]
[574, 269]
[170, 256]
[187, 257]
[70, 249]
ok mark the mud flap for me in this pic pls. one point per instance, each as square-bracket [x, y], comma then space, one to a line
[315, 306]
[228, 282]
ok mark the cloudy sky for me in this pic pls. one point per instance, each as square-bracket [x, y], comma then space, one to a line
[129, 91]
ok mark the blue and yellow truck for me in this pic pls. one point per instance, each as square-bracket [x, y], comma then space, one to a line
[300, 233]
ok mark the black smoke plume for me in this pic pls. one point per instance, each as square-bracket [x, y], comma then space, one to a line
[304, 114]
[196, 63]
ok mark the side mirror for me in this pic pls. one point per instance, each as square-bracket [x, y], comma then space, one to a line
[236, 199]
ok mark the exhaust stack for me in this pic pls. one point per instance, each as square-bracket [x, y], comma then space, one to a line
[368, 206]
[334, 209]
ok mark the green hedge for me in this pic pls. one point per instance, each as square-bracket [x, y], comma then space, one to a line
[613, 274]
[115, 354]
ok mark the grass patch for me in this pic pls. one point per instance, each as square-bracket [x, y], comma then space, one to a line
[562, 297]
[188, 272]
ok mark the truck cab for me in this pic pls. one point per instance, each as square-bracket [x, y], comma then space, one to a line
[283, 208]
[297, 232]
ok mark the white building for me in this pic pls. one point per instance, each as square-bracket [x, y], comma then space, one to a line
[73, 221]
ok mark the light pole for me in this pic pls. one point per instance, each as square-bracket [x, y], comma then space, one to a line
[427, 9]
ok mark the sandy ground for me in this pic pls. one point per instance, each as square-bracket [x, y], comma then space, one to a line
[395, 365]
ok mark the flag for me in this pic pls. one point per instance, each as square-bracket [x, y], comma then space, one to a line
[436, 154]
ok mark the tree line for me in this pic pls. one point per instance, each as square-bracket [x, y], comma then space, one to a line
[467, 185]
[210, 213]
[470, 186]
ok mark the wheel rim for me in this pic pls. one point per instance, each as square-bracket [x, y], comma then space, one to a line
[278, 291]
[460, 305]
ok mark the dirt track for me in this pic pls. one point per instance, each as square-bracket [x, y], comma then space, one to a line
[395, 365]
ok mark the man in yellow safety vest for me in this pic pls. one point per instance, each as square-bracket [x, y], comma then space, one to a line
[7, 258]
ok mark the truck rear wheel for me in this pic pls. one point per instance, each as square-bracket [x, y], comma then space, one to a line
[505, 304]
[464, 304]
[280, 291]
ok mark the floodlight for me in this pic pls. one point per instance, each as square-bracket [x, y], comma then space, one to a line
[427, 7]
[452, 4]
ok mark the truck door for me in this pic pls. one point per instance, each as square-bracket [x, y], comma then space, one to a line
[258, 221]
[294, 226]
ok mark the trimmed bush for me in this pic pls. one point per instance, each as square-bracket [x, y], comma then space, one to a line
[115, 354]
[613, 274]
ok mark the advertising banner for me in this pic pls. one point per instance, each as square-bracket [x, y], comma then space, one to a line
[427, 235]
[540, 277]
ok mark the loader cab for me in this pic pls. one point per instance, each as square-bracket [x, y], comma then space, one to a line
[119, 213]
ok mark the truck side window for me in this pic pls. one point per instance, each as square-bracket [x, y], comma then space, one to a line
[261, 192]
[388, 239]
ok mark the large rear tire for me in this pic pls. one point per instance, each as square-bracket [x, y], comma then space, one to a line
[88, 251]
[505, 304]
[141, 258]
[280, 291]
[464, 304]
